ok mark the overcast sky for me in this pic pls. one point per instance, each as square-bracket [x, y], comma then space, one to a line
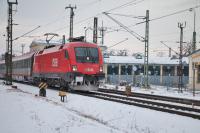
[52, 17]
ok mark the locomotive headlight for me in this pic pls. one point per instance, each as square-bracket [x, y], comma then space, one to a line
[74, 68]
[101, 69]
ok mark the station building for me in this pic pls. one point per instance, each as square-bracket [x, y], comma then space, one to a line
[162, 70]
[194, 70]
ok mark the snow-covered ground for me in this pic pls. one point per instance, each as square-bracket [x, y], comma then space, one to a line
[21, 112]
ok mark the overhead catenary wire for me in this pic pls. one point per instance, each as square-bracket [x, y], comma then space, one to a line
[118, 43]
[60, 16]
[133, 2]
[89, 4]
[26, 33]
[136, 35]
[130, 16]
[157, 18]
[171, 14]
[169, 47]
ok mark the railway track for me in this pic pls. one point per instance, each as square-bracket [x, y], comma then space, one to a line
[155, 97]
[146, 103]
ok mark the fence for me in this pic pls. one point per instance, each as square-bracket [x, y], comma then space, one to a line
[171, 81]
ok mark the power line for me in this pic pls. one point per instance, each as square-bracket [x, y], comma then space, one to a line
[169, 47]
[26, 33]
[61, 15]
[133, 33]
[130, 16]
[118, 43]
[167, 15]
[62, 28]
[171, 14]
[125, 5]
[55, 20]
[89, 4]
[98, 14]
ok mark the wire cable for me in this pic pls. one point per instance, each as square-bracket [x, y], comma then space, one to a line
[98, 14]
[133, 2]
[26, 33]
[171, 14]
[118, 43]
[130, 16]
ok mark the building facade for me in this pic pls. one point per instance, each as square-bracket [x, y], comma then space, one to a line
[194, 70]
[162, 70]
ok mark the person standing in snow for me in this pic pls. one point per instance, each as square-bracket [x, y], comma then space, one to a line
[62, 94]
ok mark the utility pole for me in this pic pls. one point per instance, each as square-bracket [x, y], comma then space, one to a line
[194, 32]
[23, 45]
[142, 39]
[170, 52]
[71, 21]
[146, 55]
[63, 39]
[102, 31]
[8, 59]
[95, 30]
[180, 83]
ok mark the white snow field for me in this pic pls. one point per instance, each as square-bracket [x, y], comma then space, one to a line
[23, 112]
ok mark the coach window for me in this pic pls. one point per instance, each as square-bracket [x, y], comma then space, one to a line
[66, 54]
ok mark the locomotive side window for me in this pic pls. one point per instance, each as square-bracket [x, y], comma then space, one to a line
[85, 54]
[66, 54]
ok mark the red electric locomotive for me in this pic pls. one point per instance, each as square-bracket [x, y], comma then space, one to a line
[75, 65]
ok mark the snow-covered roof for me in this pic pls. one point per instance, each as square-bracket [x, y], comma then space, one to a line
[152, 60]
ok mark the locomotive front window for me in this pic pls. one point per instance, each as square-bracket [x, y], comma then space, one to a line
[86, 54]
